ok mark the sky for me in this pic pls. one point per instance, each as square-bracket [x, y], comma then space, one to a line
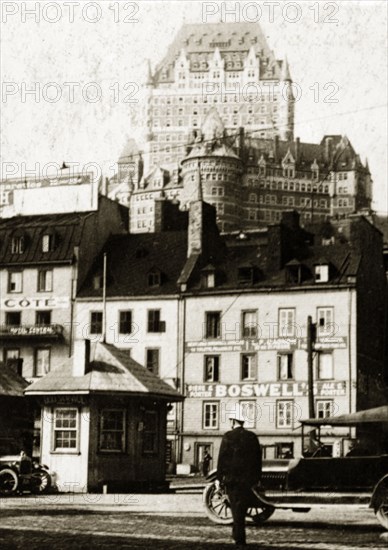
[72, 73]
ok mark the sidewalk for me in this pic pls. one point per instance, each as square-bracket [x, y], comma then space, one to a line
[190, 483]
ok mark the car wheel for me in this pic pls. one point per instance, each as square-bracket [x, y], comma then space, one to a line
[8, 481]
[382, 513]
[260, 514]
[217, 504]
[41, 482]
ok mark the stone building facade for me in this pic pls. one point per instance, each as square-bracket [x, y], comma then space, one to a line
[221, 99]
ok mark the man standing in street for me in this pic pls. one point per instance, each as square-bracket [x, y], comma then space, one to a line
[239, 468]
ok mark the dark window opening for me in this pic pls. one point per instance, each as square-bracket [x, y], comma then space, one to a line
[43, 318]
[13, 318]
[96, 322]
[125, 323]
[152, 361]
[213, 324]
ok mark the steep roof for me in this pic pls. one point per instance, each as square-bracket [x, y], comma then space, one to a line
[67, 229]
[339, 154]
[199, 41]
[130, 258]
[112, 370]
[11, 384]
[270, 266]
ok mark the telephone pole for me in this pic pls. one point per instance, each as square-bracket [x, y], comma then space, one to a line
[311, 337]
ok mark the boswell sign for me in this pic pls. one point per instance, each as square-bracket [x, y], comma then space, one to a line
[268, 389]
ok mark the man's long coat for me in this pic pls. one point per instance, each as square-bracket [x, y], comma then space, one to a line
[239, 459]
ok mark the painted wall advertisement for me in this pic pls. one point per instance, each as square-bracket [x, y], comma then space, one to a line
[266, 344]
[267, 389]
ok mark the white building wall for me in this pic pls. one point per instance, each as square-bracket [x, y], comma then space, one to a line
[266, 390]
[70, 468]
[28, 301]
[140, 339]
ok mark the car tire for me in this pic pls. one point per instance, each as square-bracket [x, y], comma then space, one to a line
[260, 514]
[8, 482]
[217, 505]
[41, 482]
[382, 513]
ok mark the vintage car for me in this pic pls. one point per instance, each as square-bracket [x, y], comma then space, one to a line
[19, 473]
[316, 480]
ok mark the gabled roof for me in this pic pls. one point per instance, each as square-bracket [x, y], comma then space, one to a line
[11, 383]
[342, 154]
[131, 257]
[111, 371]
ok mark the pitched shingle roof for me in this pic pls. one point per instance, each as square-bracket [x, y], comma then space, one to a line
[112, 370]
[130, 258]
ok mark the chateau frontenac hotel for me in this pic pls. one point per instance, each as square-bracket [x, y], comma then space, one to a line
[219, 108]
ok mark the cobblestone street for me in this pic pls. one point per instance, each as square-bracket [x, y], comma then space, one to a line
[171, 521]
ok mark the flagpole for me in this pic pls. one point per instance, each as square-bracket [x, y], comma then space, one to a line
[104, 299]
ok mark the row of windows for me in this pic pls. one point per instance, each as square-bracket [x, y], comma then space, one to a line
[126, 325]
[14, 318]
[286, 326]
[44, 281]
[19, 243]
[286, 200]
[285, 413]
[199, 99]
[112, 435]
[249, 367]
[42, 359]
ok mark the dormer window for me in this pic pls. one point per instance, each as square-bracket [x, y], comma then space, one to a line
[154, 278]
[294, 272]
[18, 244]
[208, 277]
[98, 281]
[322, 273]
[48, 242]
[245, 275]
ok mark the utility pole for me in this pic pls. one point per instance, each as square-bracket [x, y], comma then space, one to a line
[311, 337]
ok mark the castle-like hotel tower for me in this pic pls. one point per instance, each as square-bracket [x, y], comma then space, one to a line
[220, 107]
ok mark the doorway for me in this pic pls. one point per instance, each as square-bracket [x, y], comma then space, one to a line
[202, 461]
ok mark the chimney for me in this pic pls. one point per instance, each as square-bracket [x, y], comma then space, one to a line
[276, 146]
[81, 357]
[104, 186]
[290, 219]
[195, 229]
[327, 152]
[159, 214]
[297, 149]
[240, 141]
[168, 216]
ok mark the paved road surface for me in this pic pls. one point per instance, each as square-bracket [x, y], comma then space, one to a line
[171, 521]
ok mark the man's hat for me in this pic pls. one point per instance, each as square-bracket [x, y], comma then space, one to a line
[237, 414]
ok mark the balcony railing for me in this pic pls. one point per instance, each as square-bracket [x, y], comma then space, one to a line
[30, 331]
